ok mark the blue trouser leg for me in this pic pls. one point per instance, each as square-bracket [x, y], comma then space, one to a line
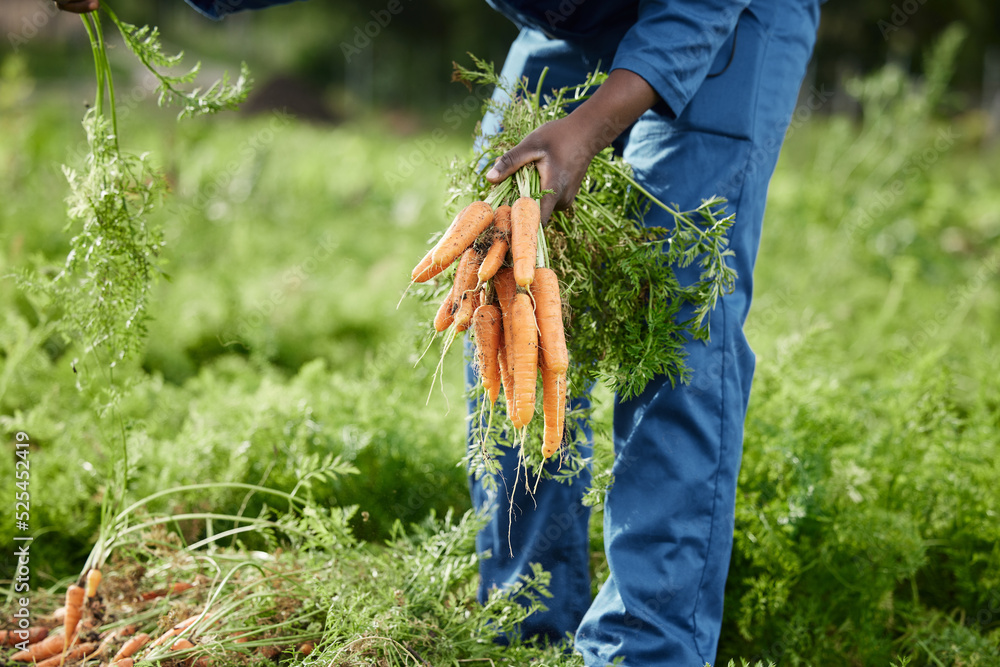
[669, 516]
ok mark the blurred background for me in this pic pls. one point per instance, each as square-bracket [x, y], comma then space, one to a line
[319, 56]
[866, 523]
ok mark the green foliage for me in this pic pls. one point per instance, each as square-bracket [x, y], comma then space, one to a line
[413, 603]
[870, 435]
[104, 285]
[865, 526]
[144, 42]
[101, 294]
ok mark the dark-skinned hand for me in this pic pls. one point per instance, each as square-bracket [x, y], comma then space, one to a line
[562, 149]
[78, 6]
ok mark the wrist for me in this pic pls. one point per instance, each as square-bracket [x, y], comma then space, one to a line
[612, 109]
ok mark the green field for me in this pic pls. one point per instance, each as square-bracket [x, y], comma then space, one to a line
[867, 529]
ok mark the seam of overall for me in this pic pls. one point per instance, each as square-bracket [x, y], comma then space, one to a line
[722, 441]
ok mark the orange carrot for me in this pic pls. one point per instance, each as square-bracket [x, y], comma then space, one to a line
[176, 630]
[124, 662]
[470, 224]
[174, 589]
[270, 652]
[77, 652]
[486, 329]
[181, 644]
[465, 286]
[463, 318]
[548, 313]
[74, 610]
[129, 648]
[306, 648]
[445, 314]
[506, 288]
[93, 581]
[553, 408]
[424, 270]
[46, 648]
[31, 635]
[524, 218]
[501, 242]
[506, 377]
[523, 353]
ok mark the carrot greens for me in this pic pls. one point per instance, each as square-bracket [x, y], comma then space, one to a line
[103, 287]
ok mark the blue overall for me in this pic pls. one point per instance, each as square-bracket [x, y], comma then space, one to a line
[669, 516]
[728, 72]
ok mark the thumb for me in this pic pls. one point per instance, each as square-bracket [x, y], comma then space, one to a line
[511, 161]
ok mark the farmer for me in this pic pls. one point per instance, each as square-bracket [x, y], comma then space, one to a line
[698, 99]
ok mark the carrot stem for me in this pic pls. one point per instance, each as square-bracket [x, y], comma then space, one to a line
[542, 249]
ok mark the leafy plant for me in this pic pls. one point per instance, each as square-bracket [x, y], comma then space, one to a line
[104, 285]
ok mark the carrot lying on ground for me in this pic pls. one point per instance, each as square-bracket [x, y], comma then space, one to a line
[93, 581]
[174, 589]
[501, 242]
[129, 648]
[486, 329]
[522, 351]
[74, 611]
[525, 216]
[109, 637]
[46, 648]
[472, 222]
[124, 662]
[31, 635]
[77, 652]
[176, 630]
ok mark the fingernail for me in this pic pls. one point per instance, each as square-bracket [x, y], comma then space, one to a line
[492, 174]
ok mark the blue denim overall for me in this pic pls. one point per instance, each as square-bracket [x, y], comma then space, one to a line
[669, 517]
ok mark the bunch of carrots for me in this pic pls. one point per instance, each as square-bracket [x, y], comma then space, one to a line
[504, 291]
[78, 642]
[53, 650]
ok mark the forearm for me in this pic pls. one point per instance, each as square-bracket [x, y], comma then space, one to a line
[612, 109]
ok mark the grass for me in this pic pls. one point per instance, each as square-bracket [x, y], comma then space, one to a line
[866, 529]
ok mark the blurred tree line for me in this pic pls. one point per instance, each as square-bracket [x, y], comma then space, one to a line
[398, 53]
